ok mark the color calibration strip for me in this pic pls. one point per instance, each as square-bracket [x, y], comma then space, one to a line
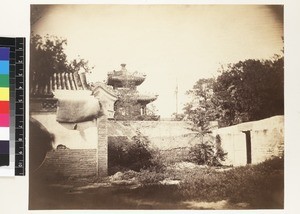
[16, 99]
[4, 107]
[19, 105]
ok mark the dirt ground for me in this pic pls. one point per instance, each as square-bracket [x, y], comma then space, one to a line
[87, 194]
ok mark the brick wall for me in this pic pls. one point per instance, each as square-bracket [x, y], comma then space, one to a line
[70, 163]
[102, 149]
[79, 162]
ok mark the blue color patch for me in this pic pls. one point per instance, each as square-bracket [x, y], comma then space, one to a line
[4, 67]
[4, 53]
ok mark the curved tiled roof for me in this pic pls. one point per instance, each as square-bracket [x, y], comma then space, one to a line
[149, 98]
[107, 88]
[61, 81]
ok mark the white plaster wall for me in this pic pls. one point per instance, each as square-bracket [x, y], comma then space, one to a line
[267, 140]
[84, 137]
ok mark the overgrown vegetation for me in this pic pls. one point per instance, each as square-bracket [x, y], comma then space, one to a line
[132, 154]
[258, 186]
[206, 153]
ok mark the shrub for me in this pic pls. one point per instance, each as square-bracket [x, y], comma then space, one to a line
[135, 154]
[207, 153]
[202, 153]
[117, 153]
[139, 155]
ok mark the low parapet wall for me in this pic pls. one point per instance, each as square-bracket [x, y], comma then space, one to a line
[164, 135]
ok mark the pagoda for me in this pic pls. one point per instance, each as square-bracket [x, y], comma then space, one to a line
[131, 104]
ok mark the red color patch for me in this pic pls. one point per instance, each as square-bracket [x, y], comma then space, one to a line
[4, 107]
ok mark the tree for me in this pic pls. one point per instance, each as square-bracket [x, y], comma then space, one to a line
[250, 90]
[48, 57]
[245, 91]
[204, 107]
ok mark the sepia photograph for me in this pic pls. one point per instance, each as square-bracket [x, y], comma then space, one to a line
[156, 107]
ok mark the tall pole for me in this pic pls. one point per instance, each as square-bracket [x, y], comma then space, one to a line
[176, 94]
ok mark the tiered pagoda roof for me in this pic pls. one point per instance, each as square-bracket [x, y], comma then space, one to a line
[145, 99]
[123, 78]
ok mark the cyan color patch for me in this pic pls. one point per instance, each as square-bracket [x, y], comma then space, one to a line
[4, 67]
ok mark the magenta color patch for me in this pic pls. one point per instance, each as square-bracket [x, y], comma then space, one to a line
[4, 120]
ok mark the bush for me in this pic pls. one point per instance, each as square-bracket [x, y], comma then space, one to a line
[135, 154]
[202, 153]
[207, 153]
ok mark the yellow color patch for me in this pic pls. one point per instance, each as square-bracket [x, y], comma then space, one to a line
[4, 94]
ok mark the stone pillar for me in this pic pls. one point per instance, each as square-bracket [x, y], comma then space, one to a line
[102, 147]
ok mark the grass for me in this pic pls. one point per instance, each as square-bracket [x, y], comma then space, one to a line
[259, 186]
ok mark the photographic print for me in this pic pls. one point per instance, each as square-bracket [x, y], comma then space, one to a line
[156, 107]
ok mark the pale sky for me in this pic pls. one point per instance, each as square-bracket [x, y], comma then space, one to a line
[169, 43]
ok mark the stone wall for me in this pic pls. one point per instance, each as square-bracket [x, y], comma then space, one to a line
[164, 135]
[176, 154]
[267, 140]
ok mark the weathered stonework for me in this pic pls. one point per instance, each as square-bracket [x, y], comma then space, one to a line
[102, 159]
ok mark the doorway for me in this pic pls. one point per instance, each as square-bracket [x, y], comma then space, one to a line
[248, 146]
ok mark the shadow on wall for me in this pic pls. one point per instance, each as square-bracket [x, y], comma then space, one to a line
[41, 142]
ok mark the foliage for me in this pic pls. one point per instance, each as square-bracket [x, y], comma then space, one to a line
[48, 57]
[245, 91]
[127, 106]
[220, 155]
[207, 153]
[250, 90]
[147, 117]
[204, 107]
[134, 154]
[261, 186]
[178, 116]
[152, 113]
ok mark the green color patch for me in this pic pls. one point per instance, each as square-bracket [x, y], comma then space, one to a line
[4, 80]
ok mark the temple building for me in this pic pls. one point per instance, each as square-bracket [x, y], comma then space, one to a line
[119, 98]
[130, 104]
